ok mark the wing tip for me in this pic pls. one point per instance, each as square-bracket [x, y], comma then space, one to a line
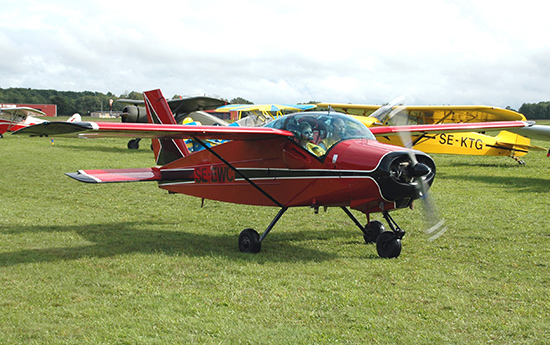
[82, 177]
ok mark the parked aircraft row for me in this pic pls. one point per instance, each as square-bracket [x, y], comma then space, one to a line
[307, 159]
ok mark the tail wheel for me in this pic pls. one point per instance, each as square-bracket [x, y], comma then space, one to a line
[249, 241]
[133, 144]
[388, 245]
[373, 229]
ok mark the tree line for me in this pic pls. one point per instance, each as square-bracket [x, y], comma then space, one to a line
[84, 102]
[536, 111]
[68, 102]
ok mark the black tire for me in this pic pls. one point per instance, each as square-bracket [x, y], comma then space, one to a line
[249, 241]
[373, 229]
[133, 144]
[388, 245]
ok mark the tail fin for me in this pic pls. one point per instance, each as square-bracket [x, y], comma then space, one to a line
[75, 118]
[158, 111]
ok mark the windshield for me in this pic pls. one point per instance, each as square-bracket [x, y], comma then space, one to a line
[321, 128]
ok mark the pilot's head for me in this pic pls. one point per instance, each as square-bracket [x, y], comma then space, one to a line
[306, 131]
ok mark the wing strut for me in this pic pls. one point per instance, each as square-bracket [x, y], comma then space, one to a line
[417, 140]
[266, 194]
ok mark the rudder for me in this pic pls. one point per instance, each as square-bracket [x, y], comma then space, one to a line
[158, 112]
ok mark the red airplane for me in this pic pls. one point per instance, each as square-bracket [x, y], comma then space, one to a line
[271, 166]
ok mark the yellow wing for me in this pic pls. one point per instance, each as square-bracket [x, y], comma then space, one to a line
[266, 110]
[467, 143]
[433, 114]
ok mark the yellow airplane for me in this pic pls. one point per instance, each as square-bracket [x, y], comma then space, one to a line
[468, 143]
[265, 111]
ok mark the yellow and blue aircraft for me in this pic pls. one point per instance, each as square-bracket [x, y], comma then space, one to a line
[265, 112]
[468, 143]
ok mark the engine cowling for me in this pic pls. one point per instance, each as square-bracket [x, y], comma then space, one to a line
[134, 114]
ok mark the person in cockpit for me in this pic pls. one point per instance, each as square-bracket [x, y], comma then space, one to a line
[337, 134]
[306, 138]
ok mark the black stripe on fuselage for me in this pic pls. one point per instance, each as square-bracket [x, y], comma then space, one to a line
[507, 148]
[187, 175]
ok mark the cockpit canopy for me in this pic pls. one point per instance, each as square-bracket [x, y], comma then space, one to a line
[322, 124]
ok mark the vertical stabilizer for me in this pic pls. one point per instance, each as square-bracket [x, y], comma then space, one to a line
[158, 112]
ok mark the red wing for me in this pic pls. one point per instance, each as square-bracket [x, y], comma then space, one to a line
[146, 130]
[447, 127]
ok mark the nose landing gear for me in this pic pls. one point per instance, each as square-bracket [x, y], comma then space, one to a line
[388, 243]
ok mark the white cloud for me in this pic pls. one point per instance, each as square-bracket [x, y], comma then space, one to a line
[434, 52]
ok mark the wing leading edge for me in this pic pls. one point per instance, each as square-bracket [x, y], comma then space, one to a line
[437, 113]
[150, 131]
[145, 130]
[448, 127]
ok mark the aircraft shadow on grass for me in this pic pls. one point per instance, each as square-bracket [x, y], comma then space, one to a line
[97, 148]
[110, 240]
[502, 165]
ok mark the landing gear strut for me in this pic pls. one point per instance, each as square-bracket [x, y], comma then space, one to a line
[517, 159]
[388, 243]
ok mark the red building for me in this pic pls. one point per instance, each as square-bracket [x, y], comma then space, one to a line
[48, 109]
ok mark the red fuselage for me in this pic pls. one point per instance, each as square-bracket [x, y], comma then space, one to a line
[354, 173]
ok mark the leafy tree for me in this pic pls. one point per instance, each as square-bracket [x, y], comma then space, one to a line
[240, 100]
[64, 105]
[87, 103]
[134, 95]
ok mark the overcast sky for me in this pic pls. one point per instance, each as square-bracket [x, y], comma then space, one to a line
[284, 51]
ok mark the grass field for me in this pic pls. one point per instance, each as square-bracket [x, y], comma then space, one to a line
[131, 264]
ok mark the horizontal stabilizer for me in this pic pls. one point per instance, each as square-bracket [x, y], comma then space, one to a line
[116, 175]
[516, 141]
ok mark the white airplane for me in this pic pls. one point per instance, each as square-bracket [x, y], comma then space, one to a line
[14, 118]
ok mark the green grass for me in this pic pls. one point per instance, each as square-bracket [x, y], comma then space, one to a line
[129, 263]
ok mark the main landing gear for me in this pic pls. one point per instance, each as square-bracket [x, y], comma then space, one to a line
[388, 243]
[251, 242]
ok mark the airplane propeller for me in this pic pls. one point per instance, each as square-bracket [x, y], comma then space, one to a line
[436, 224]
